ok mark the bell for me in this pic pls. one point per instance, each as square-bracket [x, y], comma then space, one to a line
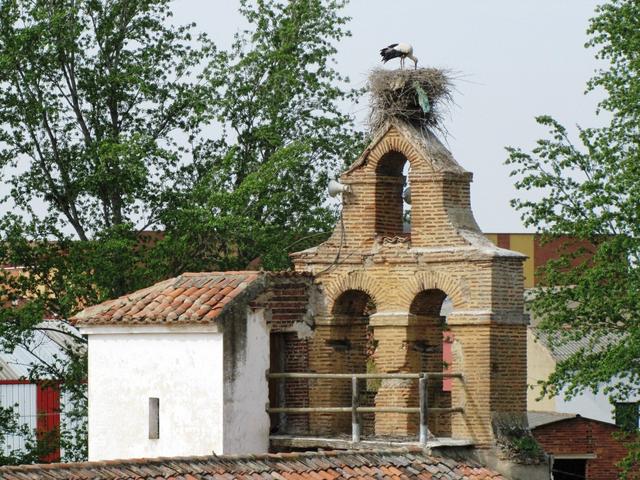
[406, 195]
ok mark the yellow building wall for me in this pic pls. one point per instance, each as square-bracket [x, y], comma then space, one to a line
[493, 237]
[522, 243]
[540, 365]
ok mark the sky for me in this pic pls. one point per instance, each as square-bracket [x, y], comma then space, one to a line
[514, 59]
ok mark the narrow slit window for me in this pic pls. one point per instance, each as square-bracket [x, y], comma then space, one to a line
[154, 418]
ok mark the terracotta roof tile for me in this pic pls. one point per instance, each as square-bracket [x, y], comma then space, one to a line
[392, 464]
[190, 298]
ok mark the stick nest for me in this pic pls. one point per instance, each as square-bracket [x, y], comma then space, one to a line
[394, 96]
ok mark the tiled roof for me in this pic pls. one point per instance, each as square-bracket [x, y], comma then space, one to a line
[354, 465]
[191, 298]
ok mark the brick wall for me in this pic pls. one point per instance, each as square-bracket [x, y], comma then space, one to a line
[288, 302]
[508, 368]
[328, 355]
[434, 200]
[287, 305]
[444, 252]
[388, 206]
[297, 390]
[580, 436]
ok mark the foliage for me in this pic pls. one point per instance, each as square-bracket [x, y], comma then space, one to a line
[258, 189]
[515, 438]
[10, 425]
[113, 121]
[629, 464]
[627, 416]
[90, 93]
[590, 192]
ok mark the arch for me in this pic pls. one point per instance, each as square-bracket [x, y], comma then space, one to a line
[432, 352]
[389, 205]
[428, 302]
[455, 288]
[391, 164]
[352, 281]
[392, 141]
[345, 345]
[353, 303]
[422, 148]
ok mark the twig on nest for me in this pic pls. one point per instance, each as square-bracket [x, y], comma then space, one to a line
[414, 96]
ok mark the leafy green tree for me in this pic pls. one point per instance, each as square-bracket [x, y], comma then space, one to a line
[10, 425]
[258, 189]
[590, 191]
[113, 121]
[91, 95]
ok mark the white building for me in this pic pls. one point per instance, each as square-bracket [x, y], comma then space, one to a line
[207, 337]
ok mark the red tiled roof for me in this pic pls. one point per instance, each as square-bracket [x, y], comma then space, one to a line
[354, 465]
[190, 298]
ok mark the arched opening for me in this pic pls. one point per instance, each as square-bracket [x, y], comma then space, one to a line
[391, 164]
[354, 303]
[431, 352]
[345, 347]
[392, 212]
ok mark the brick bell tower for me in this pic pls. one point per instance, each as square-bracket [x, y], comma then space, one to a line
[384, 282]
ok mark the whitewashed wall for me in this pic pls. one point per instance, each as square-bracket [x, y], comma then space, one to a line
[246, 422]
[181, 366]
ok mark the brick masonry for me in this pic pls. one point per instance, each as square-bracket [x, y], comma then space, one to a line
[403, 277]
[287, 305]
[584, 437]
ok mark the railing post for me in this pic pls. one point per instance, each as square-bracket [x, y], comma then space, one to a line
[355, 417]
[422, 388]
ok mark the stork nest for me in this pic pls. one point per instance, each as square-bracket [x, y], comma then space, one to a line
[394, 95]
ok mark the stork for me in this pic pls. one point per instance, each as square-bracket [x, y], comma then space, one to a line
[402, 50]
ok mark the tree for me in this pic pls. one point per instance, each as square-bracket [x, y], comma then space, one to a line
[258, 189]
[590, 192]
[10, 425]
[90, 95]
[117, 121]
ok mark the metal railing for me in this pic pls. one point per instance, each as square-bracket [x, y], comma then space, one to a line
[356, 409]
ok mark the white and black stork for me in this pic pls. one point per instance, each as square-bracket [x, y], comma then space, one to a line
[402, 50]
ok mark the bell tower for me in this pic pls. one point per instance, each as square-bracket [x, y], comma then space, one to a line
[439, 191]
[435, 296]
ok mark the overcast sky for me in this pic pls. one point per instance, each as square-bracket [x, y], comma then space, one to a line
[517, 59]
